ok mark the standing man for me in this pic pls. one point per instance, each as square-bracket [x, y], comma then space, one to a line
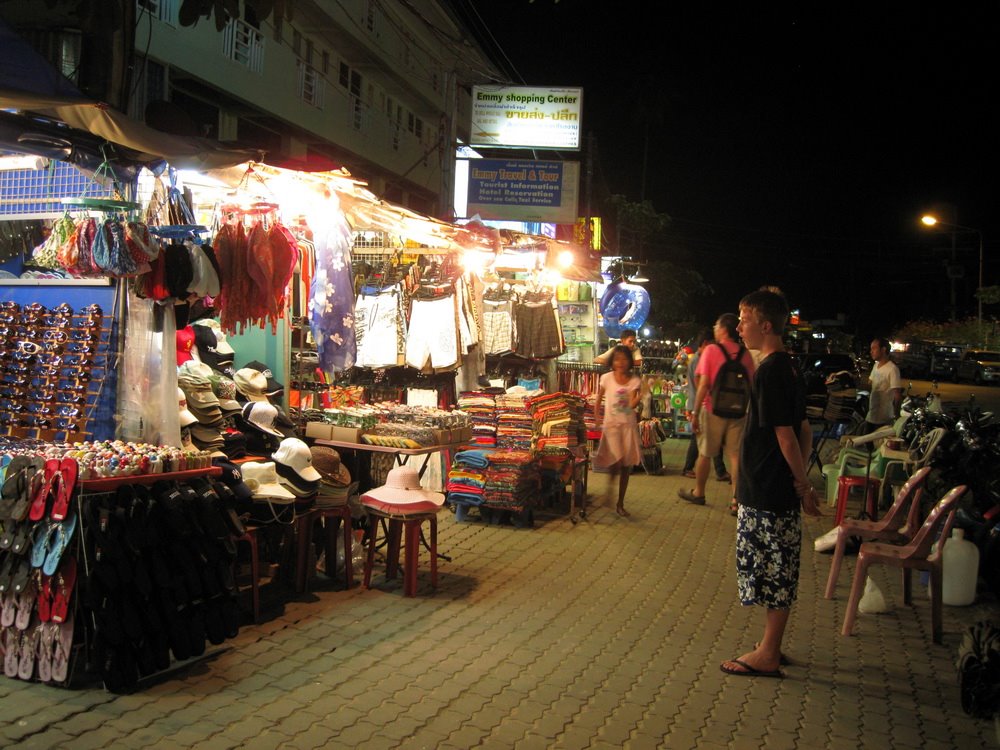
[712, 431]
[886, 388]
[628, 339]
[772, 485]
[704, 339]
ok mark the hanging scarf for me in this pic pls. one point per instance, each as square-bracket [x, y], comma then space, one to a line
[331, 296]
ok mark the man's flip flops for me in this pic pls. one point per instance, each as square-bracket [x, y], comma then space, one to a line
[746, 670]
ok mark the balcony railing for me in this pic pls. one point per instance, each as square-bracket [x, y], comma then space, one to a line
[242, 43]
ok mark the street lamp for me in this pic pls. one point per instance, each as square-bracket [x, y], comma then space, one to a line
[932, 221]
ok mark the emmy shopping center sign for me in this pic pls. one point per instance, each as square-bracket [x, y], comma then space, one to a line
[526, 117]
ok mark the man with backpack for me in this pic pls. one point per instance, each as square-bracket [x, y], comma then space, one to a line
[725, 371]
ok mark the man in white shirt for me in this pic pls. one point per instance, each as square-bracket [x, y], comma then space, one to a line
[886, 388]
[628, 339]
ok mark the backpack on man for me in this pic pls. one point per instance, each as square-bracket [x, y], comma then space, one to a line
[731, 388]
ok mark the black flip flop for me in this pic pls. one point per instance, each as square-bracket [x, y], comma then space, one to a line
[14, 485]
[748, 671]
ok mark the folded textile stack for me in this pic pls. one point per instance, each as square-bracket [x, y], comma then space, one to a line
[558, 420]
[467, 477]
[514, 424]
[481, 408]
[511, 480]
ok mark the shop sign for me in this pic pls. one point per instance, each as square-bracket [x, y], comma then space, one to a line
[527, 117]
[523, 190]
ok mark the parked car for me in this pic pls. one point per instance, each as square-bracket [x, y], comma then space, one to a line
[944, 361]
[914, 361]
[979, 366]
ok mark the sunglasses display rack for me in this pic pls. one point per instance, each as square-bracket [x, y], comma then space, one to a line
[52, 366]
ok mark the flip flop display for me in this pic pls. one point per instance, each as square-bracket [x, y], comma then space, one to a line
[151, 568]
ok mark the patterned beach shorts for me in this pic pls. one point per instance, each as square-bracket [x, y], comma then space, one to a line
[767, 557]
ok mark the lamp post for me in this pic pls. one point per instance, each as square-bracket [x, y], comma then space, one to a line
[932, 221]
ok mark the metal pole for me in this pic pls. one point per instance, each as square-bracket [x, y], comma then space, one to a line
[979, 292]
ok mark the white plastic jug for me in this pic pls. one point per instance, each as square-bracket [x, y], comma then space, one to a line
[960, 561]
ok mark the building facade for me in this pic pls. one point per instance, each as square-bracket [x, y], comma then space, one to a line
[379, 87]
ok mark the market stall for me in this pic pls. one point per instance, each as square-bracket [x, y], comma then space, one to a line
[195, 297]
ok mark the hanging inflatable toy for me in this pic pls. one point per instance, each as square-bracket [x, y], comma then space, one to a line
[624, 305]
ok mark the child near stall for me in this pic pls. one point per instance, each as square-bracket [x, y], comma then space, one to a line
[620, 392]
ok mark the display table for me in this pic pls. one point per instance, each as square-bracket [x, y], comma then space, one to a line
[402, 455]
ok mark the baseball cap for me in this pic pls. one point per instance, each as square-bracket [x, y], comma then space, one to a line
[187, 418]
[185, 342]
[233, 478]
[262, 415]
[294, 454]
[251, 383]
[225, 389]
[273, 386]
[208, 348]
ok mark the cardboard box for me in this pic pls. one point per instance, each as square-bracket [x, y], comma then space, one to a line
[465, 433]
[442, 437]
[346, 434]
[320, 430]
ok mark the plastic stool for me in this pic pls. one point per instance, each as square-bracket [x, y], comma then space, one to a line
[250, 537]
[332, 518]
[402, 526]
[844, 485]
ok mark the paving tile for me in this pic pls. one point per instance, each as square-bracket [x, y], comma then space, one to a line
[523, 642]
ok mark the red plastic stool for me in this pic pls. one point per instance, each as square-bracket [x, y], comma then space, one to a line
[332, 518]
[844, 485]
[402, 526]
[250, 538]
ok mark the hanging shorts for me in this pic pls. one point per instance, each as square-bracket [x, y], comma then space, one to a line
[433, 334]
[498, 327]
[377, 320]
[538, 333]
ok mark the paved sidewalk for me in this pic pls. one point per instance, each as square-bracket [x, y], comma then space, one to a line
[605, 634]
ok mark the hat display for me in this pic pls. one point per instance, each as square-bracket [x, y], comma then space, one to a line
[263, 481]
[402, 487]
[185, 339]
[293, 462]
[261, 415]
[202, 402]
[187, 418]
[251, 383]
[273, 386]
[327, 462]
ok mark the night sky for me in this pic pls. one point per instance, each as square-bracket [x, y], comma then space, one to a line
[793, 147]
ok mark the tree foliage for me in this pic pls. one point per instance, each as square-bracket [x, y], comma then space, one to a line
[638, 232]
[964, 332]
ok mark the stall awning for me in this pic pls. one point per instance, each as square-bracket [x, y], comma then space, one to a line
[147, 144]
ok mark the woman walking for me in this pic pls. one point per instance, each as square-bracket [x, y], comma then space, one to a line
[619, 392]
